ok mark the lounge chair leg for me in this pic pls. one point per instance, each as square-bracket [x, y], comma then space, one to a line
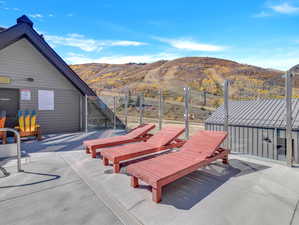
[93, 153]
[38, 135]
[105, 161]
[134, 182]
[4, 139]
[116, 167]
[225, 159]
[157, 194]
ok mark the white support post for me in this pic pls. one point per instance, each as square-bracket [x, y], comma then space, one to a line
[126, 108]
[186, 115]
[86, 114]
[81, 113]
[289, 87]
[226, 113]
[141, 102]
[160, 109]
[114, 112]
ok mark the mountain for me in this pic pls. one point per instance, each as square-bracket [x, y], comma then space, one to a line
[202, 74]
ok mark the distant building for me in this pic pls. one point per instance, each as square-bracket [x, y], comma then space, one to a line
[258, 127]
[34, 77]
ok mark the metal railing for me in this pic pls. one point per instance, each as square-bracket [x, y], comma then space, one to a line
[18, 138]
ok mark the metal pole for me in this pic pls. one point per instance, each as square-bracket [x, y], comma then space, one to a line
[186, 115]
[160, 109]
[114, 112]
[19, 166]
[126, 108]
[141, 102]
[226, 94]
[289, 84]
[86, 114]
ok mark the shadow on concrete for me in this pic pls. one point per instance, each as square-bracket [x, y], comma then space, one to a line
[190, 190]
[52, 177]
[67, 141]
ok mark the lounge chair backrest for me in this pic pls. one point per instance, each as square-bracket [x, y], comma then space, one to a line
[33, 121]
[27, 121]
[140, 130]
[165, 136]
[21, 120]
[204, 143]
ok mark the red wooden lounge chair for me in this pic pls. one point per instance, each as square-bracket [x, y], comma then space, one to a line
[139, 133]
[162, 140]
[202, 149]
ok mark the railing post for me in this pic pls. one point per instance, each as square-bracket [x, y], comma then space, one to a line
[289, 87]
[160, 109]
[141, 102]
[226, 94]
[186, 115]
[114, 112]
[126, 108]
[86, 114]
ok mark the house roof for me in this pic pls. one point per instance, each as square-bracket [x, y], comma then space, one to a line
[24, 29]
[268, 113]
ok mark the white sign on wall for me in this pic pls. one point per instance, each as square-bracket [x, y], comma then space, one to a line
[25, 94]
[45, 100]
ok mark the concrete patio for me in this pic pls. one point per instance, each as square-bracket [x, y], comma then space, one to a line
[63, 185]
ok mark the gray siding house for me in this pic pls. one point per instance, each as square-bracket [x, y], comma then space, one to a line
[258, 127]
[34, 77]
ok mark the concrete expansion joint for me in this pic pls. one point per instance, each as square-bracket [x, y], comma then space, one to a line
[294, 213]
[116, 208]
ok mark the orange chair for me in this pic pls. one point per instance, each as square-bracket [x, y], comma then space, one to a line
[3, 135]
[27, 125]
[202, 149]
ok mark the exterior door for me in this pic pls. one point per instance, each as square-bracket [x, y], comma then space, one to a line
[9, 102]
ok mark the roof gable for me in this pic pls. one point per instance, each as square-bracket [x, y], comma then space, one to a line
[24, 29]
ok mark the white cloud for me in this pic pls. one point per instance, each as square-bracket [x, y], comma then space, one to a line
[87, 44]
[50, 15]
[283, 63]
[125, 43]
[285, 8]
[120, 59]
[262, 14]
[186, 44]
[37, 15]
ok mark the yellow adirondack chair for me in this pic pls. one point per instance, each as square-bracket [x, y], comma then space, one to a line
[2, 125]
[27, 124]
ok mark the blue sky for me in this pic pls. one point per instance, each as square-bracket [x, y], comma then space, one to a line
[258, 32]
